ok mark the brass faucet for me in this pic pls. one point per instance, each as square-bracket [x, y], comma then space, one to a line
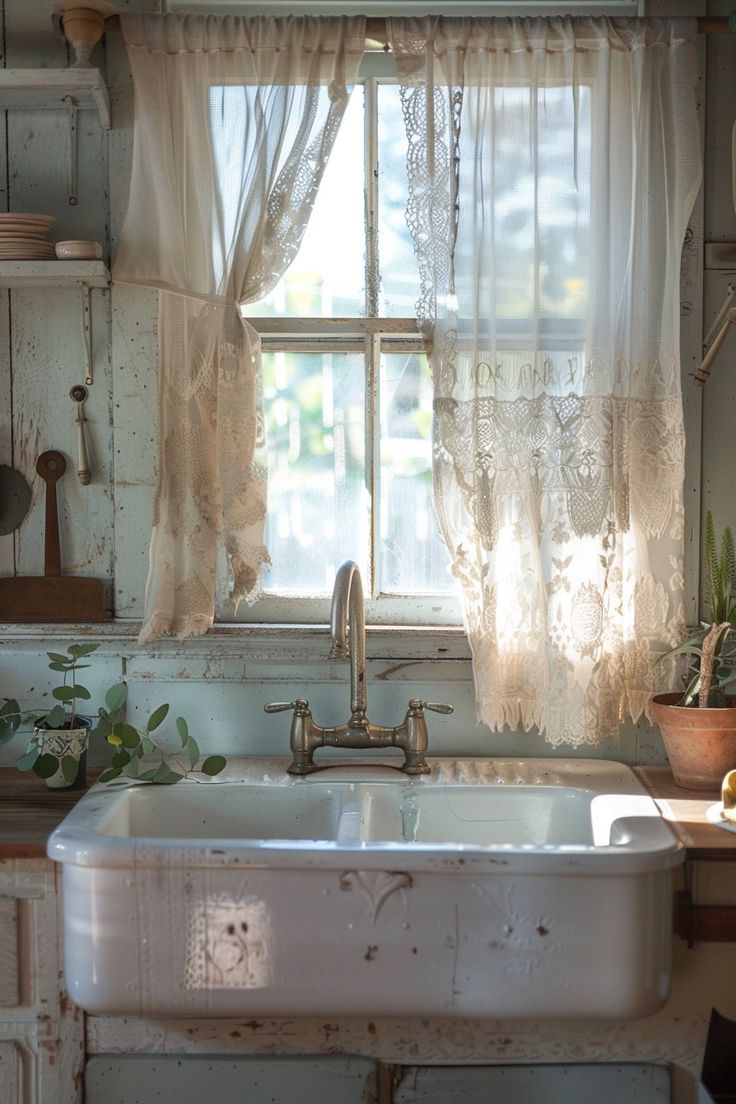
[347, 629]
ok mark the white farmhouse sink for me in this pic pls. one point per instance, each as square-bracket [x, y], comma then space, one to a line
[501, 888]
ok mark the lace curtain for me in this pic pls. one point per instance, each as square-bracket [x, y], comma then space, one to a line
[553, 165]
[234, 121]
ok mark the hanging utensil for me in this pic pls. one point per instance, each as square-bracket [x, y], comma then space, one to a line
[15, 498]
[79, 394]
[53, 596]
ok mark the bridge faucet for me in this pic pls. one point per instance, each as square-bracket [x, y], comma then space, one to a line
[347, 629]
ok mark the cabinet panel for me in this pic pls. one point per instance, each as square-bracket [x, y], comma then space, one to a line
[635, 1084]
[188, 1080]
[10, 1073]
[9, 965]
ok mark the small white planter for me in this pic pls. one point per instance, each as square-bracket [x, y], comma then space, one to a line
[66, 743]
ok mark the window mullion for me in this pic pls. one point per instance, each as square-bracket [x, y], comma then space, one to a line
[372, 452]
[372, 272]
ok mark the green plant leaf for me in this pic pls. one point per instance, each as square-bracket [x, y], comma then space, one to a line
[46, 765]
[213, 764]
[57, 657]
[183, 729]
[109, 774]
[56, 718]
[102, 729]
[120, 759]
[164, 774]
[115, 697]
[26, 761]
[80, 650]
[59, 667]
[192, 751]
[133, 767]
[9, 720]
[157, 717]
[147, 775]
[127, 734]
[148, 745]
[68, 693]
[69, 768]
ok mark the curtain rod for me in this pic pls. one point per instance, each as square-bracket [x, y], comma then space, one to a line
[375, 26]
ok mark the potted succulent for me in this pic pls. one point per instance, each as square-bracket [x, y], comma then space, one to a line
[57, 750]
[698, 725]
[58, 745]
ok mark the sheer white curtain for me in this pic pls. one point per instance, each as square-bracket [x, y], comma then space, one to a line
[234, 121]
[553, 165]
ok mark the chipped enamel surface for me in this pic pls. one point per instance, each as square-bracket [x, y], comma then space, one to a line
[485, 889]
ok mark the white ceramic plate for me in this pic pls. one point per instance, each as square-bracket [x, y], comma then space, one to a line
[21, 216]
[713, 813]
[26, 255]
[23, 230]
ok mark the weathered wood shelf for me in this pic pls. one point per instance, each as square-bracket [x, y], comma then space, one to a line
[54, 89]
[53, 274]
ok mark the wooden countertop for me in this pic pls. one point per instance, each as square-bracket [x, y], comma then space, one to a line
[29, 812]
[685, 811]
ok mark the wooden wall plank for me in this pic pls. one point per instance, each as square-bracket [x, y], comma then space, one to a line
[45, 325]
[134, 357]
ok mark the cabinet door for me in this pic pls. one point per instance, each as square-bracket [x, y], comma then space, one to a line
[604, 1084]
[191, 1080]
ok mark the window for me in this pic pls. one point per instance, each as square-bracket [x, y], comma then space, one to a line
[347, 388]
[347, 392]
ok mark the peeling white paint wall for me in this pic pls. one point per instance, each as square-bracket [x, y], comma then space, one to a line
[221, 684]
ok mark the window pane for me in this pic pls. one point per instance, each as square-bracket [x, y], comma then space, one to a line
[317, 501]
[412, 556]
[398, 267]
[326, 278]
[530, 204]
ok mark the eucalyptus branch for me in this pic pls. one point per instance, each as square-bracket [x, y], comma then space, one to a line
[133, 745]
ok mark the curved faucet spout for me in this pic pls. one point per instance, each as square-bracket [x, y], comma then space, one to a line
[347, 627]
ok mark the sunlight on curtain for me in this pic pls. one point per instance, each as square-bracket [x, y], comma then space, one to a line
[553, 164]
[234, 122]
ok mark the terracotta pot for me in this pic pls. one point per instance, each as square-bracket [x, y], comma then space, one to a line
[700, 743]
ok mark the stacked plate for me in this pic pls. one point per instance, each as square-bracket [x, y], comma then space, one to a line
[25, 237]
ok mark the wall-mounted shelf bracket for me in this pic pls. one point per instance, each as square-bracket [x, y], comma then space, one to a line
[54, 89]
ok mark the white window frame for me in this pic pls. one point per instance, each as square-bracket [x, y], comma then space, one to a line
[371, 335]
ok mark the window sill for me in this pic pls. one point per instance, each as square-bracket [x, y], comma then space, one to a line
[278, 642]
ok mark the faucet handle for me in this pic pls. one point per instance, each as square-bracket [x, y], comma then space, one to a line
[434, 707]
[300, 706]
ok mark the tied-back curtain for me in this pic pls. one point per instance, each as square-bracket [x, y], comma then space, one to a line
[553, 164]
[234, 121]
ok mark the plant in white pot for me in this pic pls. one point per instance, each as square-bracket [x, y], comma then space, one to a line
[57, 751]
[698, 725]
[58, 745]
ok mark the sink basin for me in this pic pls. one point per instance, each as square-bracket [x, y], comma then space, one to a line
[502, 888]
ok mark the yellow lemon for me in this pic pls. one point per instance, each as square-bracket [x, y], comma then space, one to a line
[728, 796]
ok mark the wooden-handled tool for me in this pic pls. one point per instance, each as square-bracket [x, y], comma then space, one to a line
[79, 394]
[53, 596]
[51, 466]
